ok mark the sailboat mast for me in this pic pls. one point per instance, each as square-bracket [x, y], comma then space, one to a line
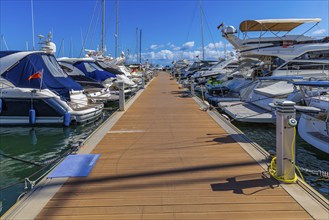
[103, 26]
[201, 24]
[140, 46]
[137, 53]
[32, 15]
[117, 28]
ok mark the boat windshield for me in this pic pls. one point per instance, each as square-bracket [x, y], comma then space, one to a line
[91, 67]
[217, 65]
[54, 68]
[245, 65]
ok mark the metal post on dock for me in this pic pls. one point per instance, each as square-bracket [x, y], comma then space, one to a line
[121, 96]
[143, 80]
[285, 139]
[192, 89]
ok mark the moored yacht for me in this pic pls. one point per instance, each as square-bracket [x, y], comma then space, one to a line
[95, 81]
[313, 125]
[304, 57]
[269, 36]
[35, 90]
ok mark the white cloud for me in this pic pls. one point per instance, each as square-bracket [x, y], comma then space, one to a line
[155, 46]
[319, 32]
[187, 45]
[170, 52]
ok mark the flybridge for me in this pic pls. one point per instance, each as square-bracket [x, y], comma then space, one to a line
[273, 26]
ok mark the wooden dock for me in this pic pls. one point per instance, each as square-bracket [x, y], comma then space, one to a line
[167, 159]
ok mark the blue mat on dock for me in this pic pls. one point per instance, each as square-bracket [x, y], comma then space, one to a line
[78, 165]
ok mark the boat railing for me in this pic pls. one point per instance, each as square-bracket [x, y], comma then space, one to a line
[5, 84]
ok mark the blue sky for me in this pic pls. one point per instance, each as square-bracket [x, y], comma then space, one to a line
[171, 29]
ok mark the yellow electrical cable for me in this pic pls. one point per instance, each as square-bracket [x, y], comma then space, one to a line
[272, 169]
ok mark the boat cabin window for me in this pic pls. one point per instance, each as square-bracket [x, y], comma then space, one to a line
[53, 66]
[91, 67]
[245, 66]
[66, 69]
[304, 66]
[71, 71]
[314, 55]
[232, 66]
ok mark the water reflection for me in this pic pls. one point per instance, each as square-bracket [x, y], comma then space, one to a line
[25, 151]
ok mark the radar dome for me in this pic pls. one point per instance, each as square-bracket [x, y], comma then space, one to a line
[230, 30]
[50, 47]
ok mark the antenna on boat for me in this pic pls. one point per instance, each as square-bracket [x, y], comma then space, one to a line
[47, 45]
[201, 24]
[32, 15]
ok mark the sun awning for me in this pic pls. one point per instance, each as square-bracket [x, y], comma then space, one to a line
[274, 24]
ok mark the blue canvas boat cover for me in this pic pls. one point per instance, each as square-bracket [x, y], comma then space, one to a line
[24, 72]
[90, 69]
[280, 78]
[313, 83]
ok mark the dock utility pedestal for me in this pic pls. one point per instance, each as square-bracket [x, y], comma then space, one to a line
[285, 139]
[121, 96]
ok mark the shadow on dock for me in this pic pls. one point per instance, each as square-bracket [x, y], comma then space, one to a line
[240, 183]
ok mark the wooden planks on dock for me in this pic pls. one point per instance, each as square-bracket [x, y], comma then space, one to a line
[166, 159]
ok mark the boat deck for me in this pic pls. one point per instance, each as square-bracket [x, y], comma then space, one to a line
[247, 112]
[167, 159]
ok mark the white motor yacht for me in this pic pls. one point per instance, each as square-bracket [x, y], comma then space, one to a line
[95, 81]
[35, 90]
[313, 125]
[305, 57]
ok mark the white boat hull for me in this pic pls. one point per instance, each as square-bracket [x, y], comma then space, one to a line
[314, 132]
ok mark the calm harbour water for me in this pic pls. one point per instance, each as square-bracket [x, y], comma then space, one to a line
[27, 152]
[41, 144]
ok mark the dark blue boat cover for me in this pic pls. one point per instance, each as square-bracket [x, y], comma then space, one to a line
[93, 71]
[53, 77]
[313, 83]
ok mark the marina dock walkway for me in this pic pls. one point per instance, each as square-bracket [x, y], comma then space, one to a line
[167, 159]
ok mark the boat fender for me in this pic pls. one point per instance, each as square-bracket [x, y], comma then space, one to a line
[0, 105]
[67, 119]
[32, 116]
[226, 117]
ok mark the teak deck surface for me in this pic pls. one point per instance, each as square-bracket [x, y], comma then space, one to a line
[167, 159]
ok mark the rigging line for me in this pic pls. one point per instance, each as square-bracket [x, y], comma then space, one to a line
[84, 41]
[49, 163]
[209, 30]
[60, 48]
[190, 26]
[93, 34]
[307, 31]
[4, 41]
[20, 159]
